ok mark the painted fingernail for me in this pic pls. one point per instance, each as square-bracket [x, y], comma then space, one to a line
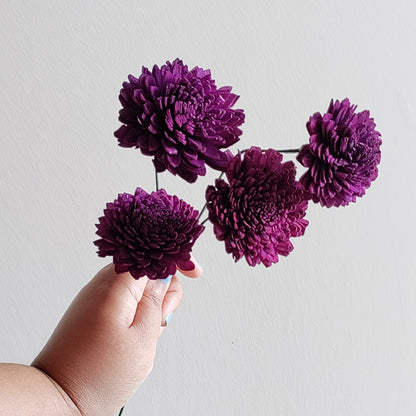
[167, 319]
[167, 280]
[187, 265]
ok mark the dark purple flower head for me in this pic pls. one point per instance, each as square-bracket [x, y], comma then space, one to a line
[342, 154]
[148, 234]
[259, 209]
[180, 118]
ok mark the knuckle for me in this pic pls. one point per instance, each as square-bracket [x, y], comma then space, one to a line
[153, 299]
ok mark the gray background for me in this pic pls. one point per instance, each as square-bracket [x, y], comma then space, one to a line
[329, 330]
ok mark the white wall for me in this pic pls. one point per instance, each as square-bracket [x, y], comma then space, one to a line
[329, 330]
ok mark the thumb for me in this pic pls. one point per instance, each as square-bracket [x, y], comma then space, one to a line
[148, 315]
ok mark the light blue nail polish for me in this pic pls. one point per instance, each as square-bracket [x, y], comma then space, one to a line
[168, 318]
[167, 280]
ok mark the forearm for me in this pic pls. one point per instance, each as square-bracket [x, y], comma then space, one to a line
[27, 391]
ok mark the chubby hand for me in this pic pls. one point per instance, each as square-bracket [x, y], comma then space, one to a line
[105, 344]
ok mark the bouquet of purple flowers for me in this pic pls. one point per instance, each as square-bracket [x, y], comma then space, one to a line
[180, 118]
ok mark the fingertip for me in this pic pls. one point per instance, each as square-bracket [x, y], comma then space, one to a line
[192, 272]
[172, 300]
[149, 308]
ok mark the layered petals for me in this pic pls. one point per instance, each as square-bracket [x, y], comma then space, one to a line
[180, 118]
[342, 156]
[148, 234]
[259, 209]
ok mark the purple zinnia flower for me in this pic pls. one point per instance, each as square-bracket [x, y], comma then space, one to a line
[180, 118]
[148, 234]
[259, 209]
[342, 154]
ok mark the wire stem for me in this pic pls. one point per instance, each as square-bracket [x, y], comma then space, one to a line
[157, 184]
[202, 211]
[205, 205]
[121, 411]
[205, 220]
[280, 151]
[289, 151]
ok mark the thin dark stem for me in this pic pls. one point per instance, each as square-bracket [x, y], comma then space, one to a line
[289, 151]
[205, 220]
[202, 211]
[121, 411]
[157, 184]
[280, 151]
[205, 206]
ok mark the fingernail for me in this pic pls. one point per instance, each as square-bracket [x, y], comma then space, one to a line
[167, 319]
[187, 265]
[167, 280]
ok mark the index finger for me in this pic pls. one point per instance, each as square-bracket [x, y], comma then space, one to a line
[191, 270]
